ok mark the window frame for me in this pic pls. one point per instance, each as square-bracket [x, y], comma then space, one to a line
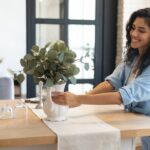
[105, 37]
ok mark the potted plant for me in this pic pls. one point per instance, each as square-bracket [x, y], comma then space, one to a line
[51, 65]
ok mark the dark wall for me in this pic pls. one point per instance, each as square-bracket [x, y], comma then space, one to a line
[110, 28]
[105, 39]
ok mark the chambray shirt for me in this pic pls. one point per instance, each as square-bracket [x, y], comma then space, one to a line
[135, 95]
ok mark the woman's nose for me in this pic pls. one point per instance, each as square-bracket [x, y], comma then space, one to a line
[134, 33]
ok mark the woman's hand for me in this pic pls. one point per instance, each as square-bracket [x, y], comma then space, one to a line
[66, 98]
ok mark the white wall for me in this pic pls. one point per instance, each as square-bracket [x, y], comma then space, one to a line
[12, 34]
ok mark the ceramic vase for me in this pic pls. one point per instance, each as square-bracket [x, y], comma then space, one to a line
[54, 111]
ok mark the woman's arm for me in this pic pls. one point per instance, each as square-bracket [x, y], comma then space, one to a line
[73, 100]
[103, 87]
[100, 99]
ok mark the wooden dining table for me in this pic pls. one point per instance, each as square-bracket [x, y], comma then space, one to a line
[27, 131]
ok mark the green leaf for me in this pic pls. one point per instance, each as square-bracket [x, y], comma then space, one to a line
[61, 57]
[52, 55]
[22, 62]
[29, 57]
[76, 70]
[30, 72]
[61, 45]
[45, 65]
[54, 46]
[69, 56]
[36, 80]
[49, 83]
[81, 59]
[42, 51]
[47, 45]
[64, 78]
[69, 59]
[32, 63]
[20, 78]
[25, 69]
[86, 66]
[73, 80]
[58, 76]
[35, 48]
[39, 71]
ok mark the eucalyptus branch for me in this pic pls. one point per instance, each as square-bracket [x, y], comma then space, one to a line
[52, 64]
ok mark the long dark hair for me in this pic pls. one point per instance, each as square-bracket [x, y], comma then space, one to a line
[132, 52]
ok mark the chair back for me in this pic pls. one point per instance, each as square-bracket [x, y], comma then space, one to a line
[6, 88]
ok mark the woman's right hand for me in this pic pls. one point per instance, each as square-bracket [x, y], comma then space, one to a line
[66, 98]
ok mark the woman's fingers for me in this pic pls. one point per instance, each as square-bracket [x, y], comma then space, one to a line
[56, 93]
[65, 98]
[60, 102]
[58, 98]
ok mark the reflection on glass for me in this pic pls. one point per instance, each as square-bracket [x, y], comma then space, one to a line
[6, 112]
[80, 88]
[46, 33]
[81, 38]
[11, 111]
[49, 8]
[82, 9]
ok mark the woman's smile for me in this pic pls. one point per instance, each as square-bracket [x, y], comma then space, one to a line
[135, 41]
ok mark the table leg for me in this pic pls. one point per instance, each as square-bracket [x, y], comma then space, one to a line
[128, 144]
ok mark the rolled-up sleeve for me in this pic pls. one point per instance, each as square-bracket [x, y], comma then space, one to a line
[117, 77]
[138, 90]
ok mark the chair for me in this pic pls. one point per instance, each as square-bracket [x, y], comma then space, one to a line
[6, 88]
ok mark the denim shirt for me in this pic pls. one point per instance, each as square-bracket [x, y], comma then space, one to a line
[135, 95]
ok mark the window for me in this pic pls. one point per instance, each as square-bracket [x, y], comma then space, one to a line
[80, 23]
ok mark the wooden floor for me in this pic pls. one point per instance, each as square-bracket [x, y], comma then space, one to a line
[138, 144]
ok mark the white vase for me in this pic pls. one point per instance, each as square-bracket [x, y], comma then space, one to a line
[54, 111]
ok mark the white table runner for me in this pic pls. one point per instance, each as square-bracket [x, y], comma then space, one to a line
[85, 132]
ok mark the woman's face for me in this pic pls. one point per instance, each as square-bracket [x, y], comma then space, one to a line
[140, 35]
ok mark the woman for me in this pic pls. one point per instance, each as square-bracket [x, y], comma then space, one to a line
[129, 84]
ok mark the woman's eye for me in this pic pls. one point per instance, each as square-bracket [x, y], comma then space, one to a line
[132, 28]
[141, 31]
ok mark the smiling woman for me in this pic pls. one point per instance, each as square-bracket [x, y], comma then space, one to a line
[129, 84]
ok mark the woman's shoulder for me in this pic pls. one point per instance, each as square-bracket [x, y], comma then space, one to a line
[124, 66]
[145, 72]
